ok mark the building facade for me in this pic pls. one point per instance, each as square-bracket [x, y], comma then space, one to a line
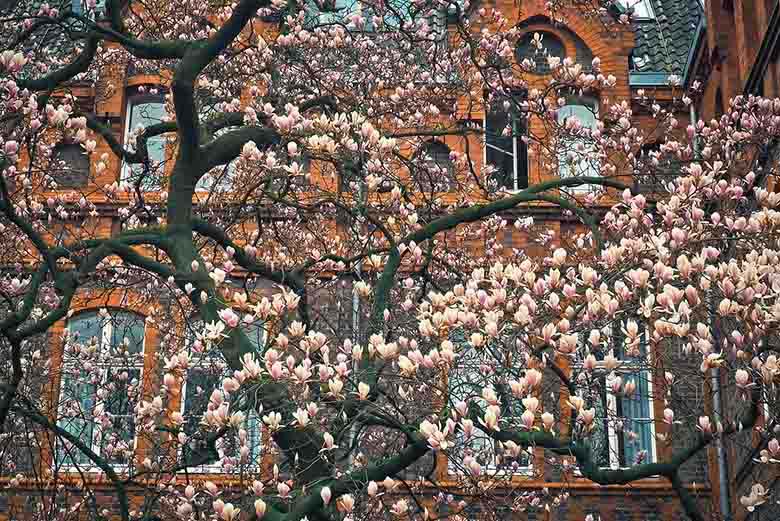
[668, 44]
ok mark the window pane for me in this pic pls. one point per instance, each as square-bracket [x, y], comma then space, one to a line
[467, 379]
[144, 112]
[577, 147]
[85, 328]
[201, 382]
[77, 400]
[500, 146]
[127, 328]
[437, 167]
[254, 428]
[640, 8]
[599, 436]
[256, 334]
[69, 166]
[551, 46]
[637, 428]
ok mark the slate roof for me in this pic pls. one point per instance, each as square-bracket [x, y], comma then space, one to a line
[663, 44]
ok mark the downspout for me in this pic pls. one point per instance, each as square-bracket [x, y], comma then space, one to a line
[724, 490]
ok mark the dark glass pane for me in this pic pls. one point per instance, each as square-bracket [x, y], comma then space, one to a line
[127, 328]
[201, 382]
[256, 334]
[500, 146]
[505, 148]
[551, 46]
[69, 166]
[438, 168]
[599, 436]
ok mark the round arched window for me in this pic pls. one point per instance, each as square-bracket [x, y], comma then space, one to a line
[528, 48]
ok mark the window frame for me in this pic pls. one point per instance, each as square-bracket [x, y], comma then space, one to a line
[565, 143]
[55, 157]
[133, 99]
[201, 365]
[493, 467]
[65, 462]
[516, 136]
[642, 9]
[616, 439]
[542, 53]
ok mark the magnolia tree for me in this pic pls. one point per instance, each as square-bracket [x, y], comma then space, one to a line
[332, 323]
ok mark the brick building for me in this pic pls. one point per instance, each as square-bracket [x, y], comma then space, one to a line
[667, 42]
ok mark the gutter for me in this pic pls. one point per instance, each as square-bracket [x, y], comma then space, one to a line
[701, 30]
[766, 53]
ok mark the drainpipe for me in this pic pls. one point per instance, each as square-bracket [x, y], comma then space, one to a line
[724, 490]
[717, 409]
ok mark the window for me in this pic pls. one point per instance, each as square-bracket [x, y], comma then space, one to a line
[144, 110]
[527, 48]
[394, 13]
[505, 148]
[640, 9]
[624, 429]
[207, 370]
[69, 166]
[436, 167]
[654, 169]
[466, 381]
[79, 7]
[102, 370]
[576, 119]
[220, 178]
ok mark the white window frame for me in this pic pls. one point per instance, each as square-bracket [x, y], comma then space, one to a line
[216, 467]
[586, 169]
[515, 137]
[613, 436]
[126, 170]
[643, 9]
[492, 467]
[106, 331]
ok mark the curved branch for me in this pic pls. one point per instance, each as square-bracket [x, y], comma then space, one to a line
[76, 67]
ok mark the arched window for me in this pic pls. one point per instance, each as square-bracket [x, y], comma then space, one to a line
[145, 109]
[102, 366]
[575, 144]
[69, 165]
[548, 45]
